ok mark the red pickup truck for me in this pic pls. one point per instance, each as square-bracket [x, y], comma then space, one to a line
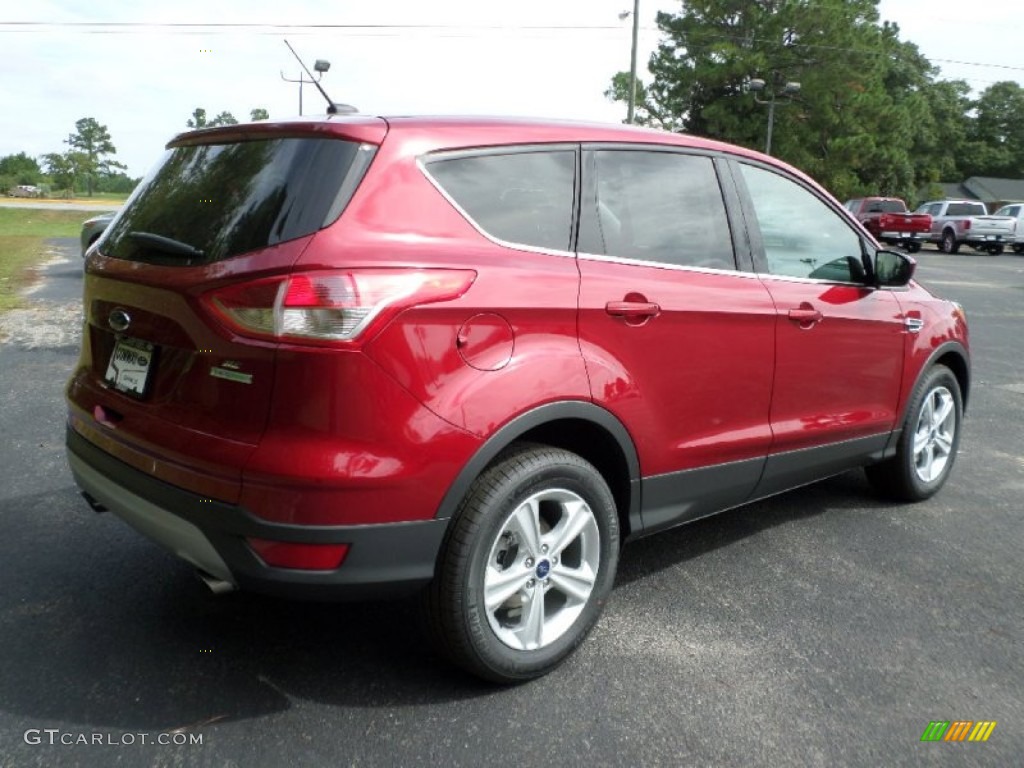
[888, 219]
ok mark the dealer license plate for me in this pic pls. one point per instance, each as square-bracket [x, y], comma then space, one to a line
[129, 366]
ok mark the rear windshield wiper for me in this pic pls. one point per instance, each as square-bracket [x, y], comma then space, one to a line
[166, 244]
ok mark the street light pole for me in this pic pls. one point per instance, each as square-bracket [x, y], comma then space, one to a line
[790, 89]
[320, 66]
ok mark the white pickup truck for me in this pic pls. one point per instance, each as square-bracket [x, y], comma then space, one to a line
[955, 222]
[1016, 211]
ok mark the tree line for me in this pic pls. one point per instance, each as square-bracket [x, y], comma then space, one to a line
[872, 115]
[88, 165]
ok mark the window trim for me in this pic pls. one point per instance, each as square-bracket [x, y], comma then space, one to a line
[423, 162]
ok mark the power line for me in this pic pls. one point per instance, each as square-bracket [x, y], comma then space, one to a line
[130, 25]
[395, 30]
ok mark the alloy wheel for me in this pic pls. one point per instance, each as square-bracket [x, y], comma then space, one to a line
[934, 434]
[541, 569]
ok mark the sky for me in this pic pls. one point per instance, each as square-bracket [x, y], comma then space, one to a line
[67, 59]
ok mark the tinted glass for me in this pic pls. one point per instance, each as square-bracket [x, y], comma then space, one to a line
[228, 199]
[966, 209]
[526, 197]
[657, 206]
[802, 236]
[886, 206]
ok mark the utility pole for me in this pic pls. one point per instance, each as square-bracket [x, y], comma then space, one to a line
[631, 111]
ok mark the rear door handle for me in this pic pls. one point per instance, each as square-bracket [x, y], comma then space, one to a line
[805, 315]
[632, 310]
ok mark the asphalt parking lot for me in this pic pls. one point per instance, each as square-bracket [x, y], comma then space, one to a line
[821, 627]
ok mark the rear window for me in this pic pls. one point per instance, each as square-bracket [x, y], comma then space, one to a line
[204, 203]
[886, 206]
[966, 209]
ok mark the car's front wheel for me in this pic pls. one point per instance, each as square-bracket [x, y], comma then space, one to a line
[928, 444]
[526, 566]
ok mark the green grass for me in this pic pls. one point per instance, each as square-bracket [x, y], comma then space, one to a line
[22, 235]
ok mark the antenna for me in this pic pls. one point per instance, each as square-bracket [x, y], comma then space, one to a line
[332, 108]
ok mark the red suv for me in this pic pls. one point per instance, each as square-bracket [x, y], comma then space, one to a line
[350, 356]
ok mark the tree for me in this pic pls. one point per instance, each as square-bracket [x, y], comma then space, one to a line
[21, 168]
[996, 132]
[64, 168]
[224, 118]
[93, 145]
[198, 119]
[852, 124]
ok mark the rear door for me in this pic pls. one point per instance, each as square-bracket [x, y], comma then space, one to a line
[839, 343]
[161, 384]
[678, 341]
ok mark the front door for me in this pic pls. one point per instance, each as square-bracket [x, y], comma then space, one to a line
[839, 342]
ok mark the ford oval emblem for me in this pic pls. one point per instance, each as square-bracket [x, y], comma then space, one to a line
[119, 320]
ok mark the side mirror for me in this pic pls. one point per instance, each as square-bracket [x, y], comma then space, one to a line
[892, 269]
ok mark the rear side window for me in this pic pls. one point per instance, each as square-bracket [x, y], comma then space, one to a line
[204, 203]
[521, 197]
[657, 206]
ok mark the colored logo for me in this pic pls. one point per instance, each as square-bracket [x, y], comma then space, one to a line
[958, 730]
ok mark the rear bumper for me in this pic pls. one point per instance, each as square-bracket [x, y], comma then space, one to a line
[988, 239]
[903, 235]
[383, 560]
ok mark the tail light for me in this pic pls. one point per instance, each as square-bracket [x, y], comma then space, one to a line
[330, 306]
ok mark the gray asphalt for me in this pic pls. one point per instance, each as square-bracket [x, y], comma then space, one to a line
[821, 627]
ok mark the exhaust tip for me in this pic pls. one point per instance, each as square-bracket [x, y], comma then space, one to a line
[217, 586]
[93, 504]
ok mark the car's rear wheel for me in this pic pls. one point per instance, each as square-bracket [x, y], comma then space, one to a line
[1018, 248]
[995, 250]
[928, 443]
[949, 243]
[526, 566]
[912, 246]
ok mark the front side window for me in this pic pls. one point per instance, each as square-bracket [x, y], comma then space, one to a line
[657, 206]
[524, 197]
[802, 236]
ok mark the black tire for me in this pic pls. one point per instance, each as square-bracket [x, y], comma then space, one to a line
[485, 541]
[912, 246]
[1018, 248]
[901, 477]
[949, 243]
[996, 250]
